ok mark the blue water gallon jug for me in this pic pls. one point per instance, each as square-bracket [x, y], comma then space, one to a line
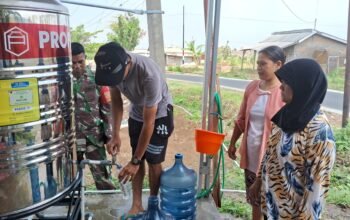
[178, 190]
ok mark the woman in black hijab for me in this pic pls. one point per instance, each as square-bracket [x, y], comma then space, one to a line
[295, 173]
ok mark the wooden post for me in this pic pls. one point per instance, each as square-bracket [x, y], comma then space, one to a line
[254, 60]
[242, 61]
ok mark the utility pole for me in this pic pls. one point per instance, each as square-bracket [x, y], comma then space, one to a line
[315, 23]
[155, 34]
[183, 34]
[346, 100]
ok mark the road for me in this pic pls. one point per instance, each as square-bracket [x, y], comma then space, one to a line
[333, 101]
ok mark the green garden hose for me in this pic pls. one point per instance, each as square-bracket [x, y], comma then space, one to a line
[205, 192]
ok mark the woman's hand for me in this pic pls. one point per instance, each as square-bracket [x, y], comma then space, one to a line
[232, 151]
[254, 193]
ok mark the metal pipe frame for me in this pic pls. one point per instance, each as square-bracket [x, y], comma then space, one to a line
[134, 11]
[203, 170]
[212, 87]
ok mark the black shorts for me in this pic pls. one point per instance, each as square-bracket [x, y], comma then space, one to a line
[156, 149]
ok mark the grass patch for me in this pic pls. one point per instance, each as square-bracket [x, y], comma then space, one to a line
[238, 209]
[339, 197]
[335, 78]
[186, 69]
[339, 192]
[342, 137]
[189, 97]
[234, 175]
[248, 74]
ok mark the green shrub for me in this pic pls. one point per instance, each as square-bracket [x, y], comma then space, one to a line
[336, 79]
[175, 69]
[178, 69]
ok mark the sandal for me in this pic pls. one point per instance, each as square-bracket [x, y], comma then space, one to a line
[131, 216]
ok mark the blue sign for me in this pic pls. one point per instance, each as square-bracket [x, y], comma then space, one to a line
[16, 85]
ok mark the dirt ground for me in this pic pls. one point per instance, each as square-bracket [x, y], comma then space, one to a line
[182, 141]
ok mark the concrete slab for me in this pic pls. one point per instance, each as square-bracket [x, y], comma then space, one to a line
[112, 206]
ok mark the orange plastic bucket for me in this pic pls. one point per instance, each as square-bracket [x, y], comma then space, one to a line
[208, 142]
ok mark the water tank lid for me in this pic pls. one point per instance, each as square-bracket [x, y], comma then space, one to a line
[37, 5]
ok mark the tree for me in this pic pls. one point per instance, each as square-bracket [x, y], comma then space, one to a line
[196, 50]
[126, 31]
[225, 53]
[91, 49]
[78, 34]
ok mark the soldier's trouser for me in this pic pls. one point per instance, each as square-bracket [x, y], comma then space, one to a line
[99, 172]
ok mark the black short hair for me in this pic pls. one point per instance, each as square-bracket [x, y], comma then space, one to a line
[275, 53]
[77, 48]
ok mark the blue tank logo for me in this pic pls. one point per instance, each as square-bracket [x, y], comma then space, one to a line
[16, 85]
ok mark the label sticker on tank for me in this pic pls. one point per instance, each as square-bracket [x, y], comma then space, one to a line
[20, 101]
[21, 97]
[21, 109]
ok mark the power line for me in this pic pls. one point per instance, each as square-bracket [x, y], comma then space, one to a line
[120, 5]
[251, 19]
[75, 10]
[316, 13]
[98, 18]
[141, 3]
[291, 11]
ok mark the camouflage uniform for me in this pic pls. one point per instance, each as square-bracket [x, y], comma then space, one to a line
[92, 110]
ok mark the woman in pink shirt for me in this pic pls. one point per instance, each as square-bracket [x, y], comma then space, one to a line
[261, 101]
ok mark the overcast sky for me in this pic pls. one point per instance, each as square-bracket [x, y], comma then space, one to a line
[243, 22]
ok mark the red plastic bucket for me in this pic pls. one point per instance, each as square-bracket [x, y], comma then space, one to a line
[208, 142]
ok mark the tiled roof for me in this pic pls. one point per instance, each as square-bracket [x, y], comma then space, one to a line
[285, 39]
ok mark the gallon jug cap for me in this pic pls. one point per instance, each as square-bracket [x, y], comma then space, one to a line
[178, 156]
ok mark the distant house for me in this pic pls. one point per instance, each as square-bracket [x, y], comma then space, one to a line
[173, 55]
[328, 50]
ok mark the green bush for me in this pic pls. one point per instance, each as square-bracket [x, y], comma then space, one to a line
[175, 69]
[336, 79]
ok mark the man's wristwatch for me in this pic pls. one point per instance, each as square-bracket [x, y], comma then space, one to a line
[135, 161]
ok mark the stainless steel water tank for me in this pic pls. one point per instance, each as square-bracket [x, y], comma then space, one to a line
[36, 112]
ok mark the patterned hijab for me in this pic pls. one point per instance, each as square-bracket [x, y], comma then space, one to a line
[309, 85]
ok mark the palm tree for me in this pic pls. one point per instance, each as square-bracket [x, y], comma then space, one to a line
[196, 50]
